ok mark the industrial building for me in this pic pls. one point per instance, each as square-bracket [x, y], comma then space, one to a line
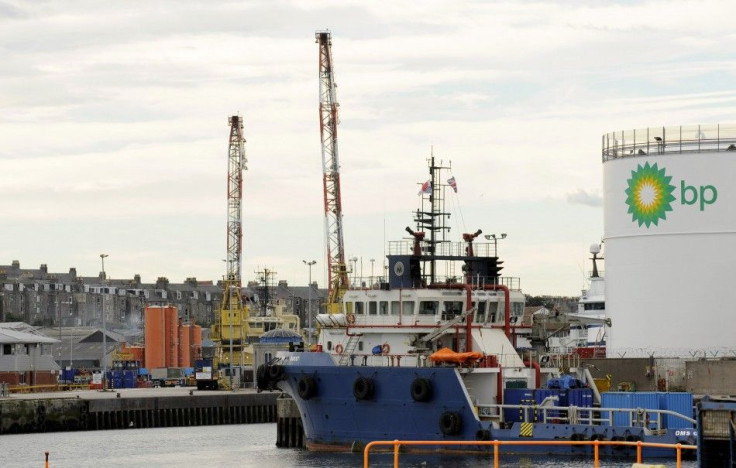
[670, 229]
[26, 356]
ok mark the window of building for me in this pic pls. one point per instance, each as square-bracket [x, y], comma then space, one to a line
[7, 349]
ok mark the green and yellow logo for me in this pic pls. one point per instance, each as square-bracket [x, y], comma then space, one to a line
[649, 194]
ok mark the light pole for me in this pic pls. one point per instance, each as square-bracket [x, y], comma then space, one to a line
[355, 268]
[104, 327]
[495, 239]
[309, 299]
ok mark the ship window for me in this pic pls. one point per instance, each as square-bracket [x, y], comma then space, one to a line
[492, 311]
[329, 346]
[372, 308]
[428, 307]
[451, 309]
[360, 346]
[480, 315]
[407, 308]
[517, 309]
[359, 309]
[595, 306]
[395, 307]
[383, 307]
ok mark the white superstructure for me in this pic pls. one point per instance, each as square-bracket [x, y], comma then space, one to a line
[670, 234]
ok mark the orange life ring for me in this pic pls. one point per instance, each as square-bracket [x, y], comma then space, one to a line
[385, 349]
[351, 318]
[338, 349]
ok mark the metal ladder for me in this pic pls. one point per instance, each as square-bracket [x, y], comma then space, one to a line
[350, 346]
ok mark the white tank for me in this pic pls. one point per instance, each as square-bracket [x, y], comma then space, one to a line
[670, 235]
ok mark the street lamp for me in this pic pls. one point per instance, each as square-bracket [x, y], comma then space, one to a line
[104, 327]
[495, 239]
[309, 299]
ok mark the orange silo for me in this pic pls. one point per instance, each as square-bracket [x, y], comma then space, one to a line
[154, 336]
[195, 340]
[171, 336]
[185, 359]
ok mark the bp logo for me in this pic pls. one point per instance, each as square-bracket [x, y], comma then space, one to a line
[649, 194]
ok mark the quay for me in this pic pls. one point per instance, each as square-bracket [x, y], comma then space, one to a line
[133, 408]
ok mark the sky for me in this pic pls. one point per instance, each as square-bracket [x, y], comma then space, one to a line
[114, 125]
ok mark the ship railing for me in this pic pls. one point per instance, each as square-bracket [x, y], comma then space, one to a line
[397, 445]
[669, 140]
[650, 419]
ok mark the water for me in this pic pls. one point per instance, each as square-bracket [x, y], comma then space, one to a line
[242, 446]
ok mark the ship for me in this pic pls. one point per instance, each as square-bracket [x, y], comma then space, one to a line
[428, 353]
[581, 333]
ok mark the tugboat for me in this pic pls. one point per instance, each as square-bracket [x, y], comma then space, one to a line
[429, 355]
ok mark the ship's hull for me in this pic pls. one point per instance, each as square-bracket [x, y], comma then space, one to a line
[335, 419]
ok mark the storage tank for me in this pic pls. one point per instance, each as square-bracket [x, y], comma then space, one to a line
[171, 334]
[195, 342]
[185, 359]
[154, 336]
[670, 230]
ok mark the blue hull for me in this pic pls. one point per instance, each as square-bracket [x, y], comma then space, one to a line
[335, 420]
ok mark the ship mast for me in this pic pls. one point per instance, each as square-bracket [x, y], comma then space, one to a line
[337, 272]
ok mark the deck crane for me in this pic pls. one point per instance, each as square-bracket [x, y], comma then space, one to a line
[337, 271]
[231, 325]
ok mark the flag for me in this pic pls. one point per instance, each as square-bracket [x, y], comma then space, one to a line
[452, 183]
[426, 187]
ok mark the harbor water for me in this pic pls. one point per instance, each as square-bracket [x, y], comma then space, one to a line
[243, 446]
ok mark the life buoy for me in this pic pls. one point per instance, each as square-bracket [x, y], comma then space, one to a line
[385, 349]
[339, 349]
[351, 318]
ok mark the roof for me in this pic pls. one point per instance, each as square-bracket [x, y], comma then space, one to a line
[280, 335]
[21, 333]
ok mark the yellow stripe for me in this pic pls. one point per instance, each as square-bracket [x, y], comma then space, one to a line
[526, 429]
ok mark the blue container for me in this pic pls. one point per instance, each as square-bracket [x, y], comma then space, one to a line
[518, 396]
[142, 371]
[645, 401]
[679, 402]
[117, 383]
[561, 397]
[582, 398]
[188, 371]
[615, 400]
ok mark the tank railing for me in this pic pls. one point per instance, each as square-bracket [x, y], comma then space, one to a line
[496, 444]
[637, 417]
[667, 140]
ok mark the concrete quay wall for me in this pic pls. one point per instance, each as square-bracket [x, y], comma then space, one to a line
[133, 409]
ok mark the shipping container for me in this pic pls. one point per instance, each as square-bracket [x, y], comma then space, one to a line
[582, 398]
[518, 396]
[679, 402]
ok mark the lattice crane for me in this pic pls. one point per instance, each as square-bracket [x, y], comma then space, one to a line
[337, 271]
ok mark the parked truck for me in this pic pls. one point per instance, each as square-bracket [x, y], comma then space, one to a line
[206, 375]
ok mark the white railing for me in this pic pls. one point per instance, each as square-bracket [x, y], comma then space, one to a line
[668, 140]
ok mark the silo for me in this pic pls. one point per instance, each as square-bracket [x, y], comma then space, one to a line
[670, 230]
[195, 341]
[171, 335]
[154, 336]
[184, 348]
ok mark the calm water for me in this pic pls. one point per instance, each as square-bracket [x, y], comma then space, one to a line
[251, 445]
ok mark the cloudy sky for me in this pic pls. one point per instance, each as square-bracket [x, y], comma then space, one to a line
[113, 124]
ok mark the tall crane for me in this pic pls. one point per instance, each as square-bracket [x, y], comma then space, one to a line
[231, 327]
[338, 274]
